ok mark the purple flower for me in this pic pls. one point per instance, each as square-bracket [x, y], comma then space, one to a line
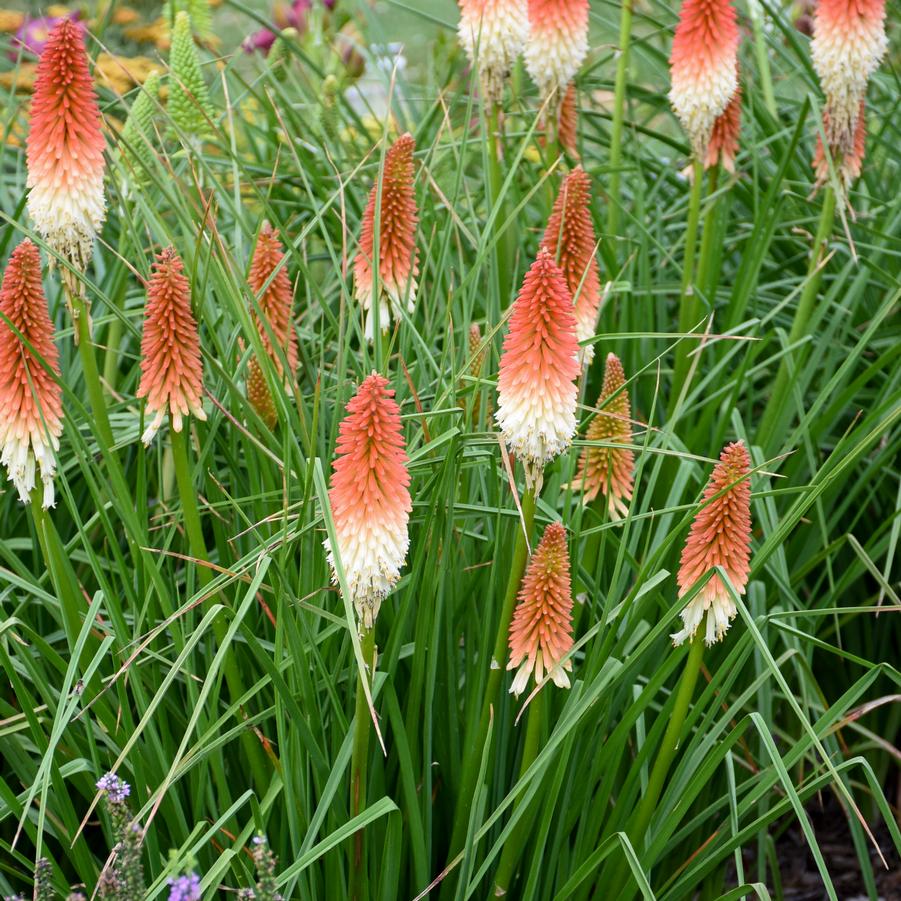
[295, 16]
[116, 789]
[33, 33]
[185, 888]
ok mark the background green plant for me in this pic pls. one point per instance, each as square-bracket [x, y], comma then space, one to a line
[111, 652]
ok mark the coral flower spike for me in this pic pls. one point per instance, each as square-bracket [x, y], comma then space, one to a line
[557, 44]
[65, 148]
[398, 257]
[30, 398]
[720, 536]
[370, 498]
[541, 629]
[570, 238]
[539, 364]
[703, 68]
[848, 44]
[171, 368]
[608, 470]
[268, 279]
[493, 34]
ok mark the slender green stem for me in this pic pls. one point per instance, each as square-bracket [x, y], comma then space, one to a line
[778, 408]
[638, 827]
[197, 545]
[709, 238]
[516, 841]
[473, 750]
[358, 763]
[763, 58]
[495, 187]
[81, 314]
[619, 114]
[688, 300]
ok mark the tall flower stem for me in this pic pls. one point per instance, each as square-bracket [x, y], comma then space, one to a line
[777, 407]
[198, 549]
[516, 841]
[619, 113]
[495, 673]
[638, 826]
[495, 187]
[88, 357]
[359, 760]
[709, 236]
[688, 300]
[763, 59]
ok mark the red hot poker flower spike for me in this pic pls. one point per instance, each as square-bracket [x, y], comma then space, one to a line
[848, 44]
[568, 122]
[171, 366]
[541, 629]
[720, 536]
[30, 398]
[608, 470]
[539, 364]
[570, 238]
[557, 43]
[370, 498]
[848, 163]
[65, 148]
[275, 299]
[398, 256]
[703, 67]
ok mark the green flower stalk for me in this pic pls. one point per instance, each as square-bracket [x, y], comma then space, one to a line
[199, 10]
[189, 99]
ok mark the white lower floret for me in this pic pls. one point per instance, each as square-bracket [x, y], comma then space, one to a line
[720, 610]
[23, 456]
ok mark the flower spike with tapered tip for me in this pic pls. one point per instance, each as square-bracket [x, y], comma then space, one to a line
[189, 102]
[268, 279]
[370, 498]
[171, 366]
[557, 44]
[723, 145]
[568, 122]
[539, 364]
[720, 536]
[65, 149]
[703, 68]
[398, 256]
[30, 397]
[848, 44]
[608, 470]
[570, 238]
[541, 629]
[493, 34]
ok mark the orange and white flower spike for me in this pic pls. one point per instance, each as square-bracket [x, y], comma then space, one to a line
[171, 367]
[30, 398]
[493, 34]
[720, 536]
[848, 163]
[65, 148]
[723, 146]
[557, 44]
[848, 44]
[398, 256]
[703, 68]
[539, 364]
[570, 238]
[370, 497]
[541, 628]
[608, 470]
